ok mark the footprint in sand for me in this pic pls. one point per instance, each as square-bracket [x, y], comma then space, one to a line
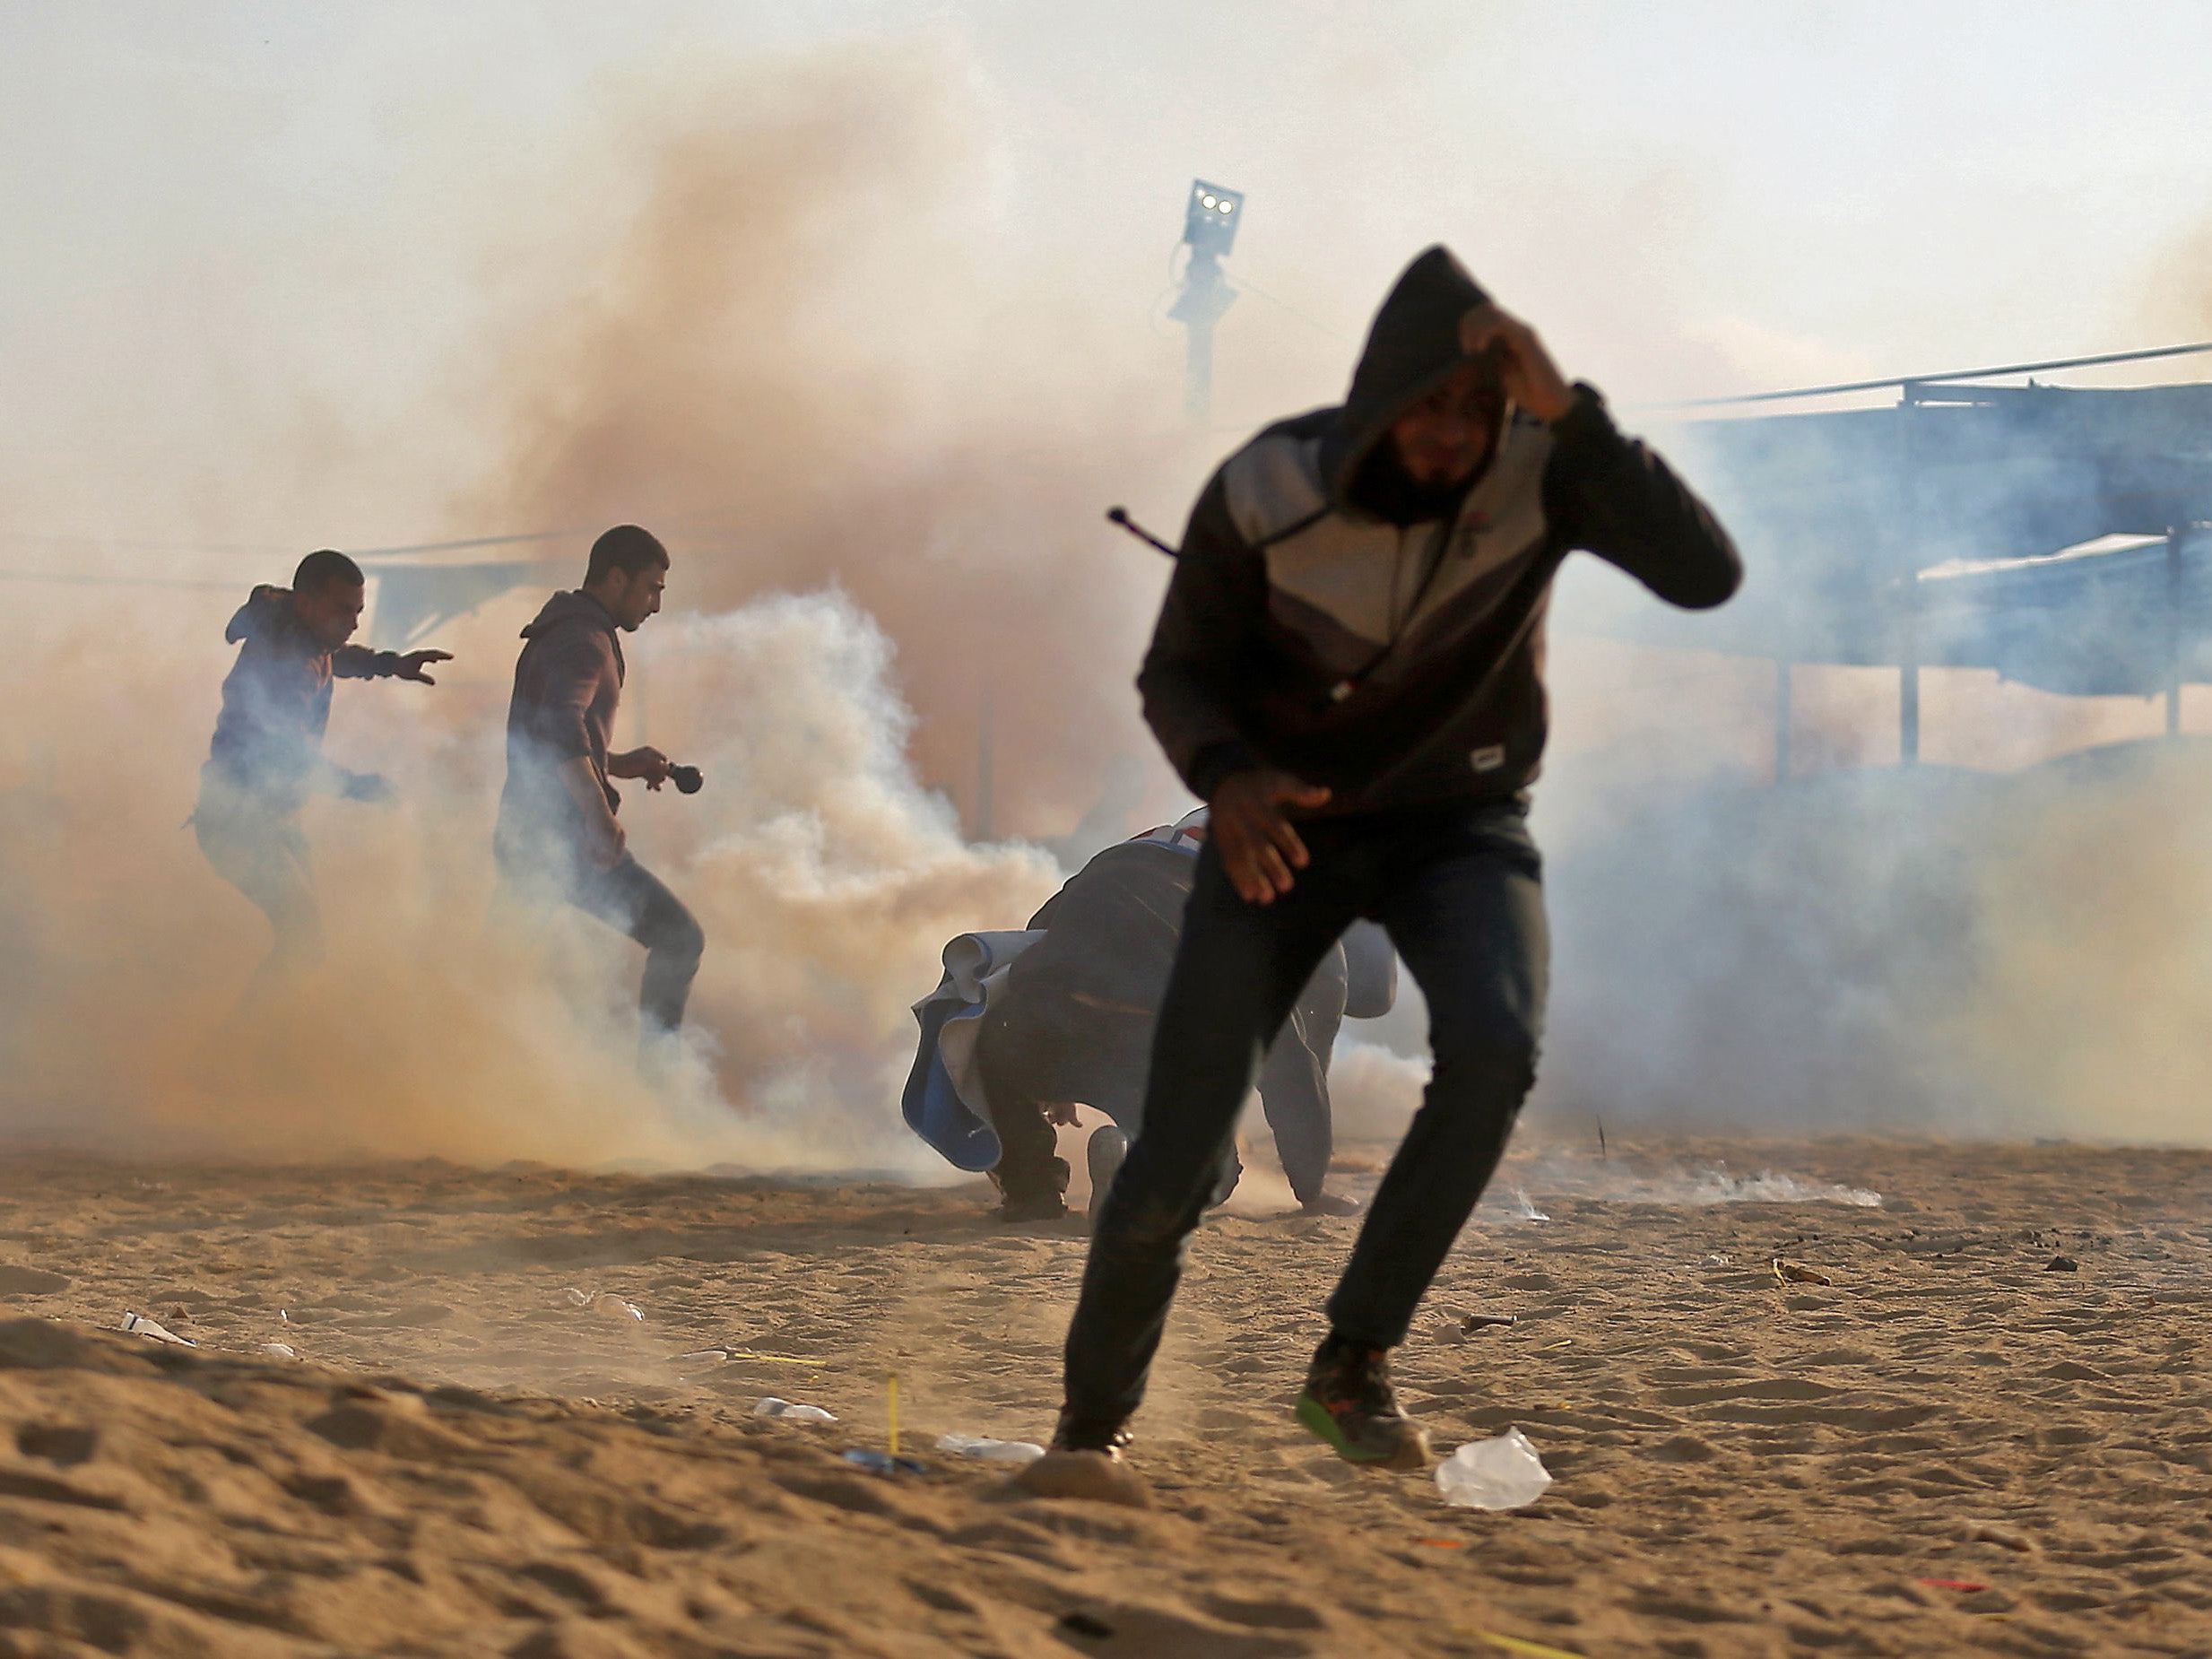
[17, 1281]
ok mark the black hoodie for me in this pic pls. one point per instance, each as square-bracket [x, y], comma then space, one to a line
[1395, 657]
[568, 684]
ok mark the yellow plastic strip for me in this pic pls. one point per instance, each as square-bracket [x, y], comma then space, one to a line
[749, 1353]
[1534, 1650]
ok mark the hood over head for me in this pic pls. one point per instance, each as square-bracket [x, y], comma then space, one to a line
[1412, 348]
[568, 607]
[266, 608]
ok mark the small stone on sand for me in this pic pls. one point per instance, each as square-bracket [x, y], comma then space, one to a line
[2003, 1537]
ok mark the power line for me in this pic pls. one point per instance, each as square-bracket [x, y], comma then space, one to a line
[1841, 387]
[452, 547]
[238, 549]
[79, 578]
[208, 550]
[72, 578]
[1244, 285]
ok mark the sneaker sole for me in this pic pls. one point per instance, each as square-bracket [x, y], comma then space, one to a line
[1410, 1455]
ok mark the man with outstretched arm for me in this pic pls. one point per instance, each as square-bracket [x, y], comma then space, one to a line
[557, 835]
[1348, 667]
[266, 758]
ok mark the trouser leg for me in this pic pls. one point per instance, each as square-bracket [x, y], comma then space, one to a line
[1467, 916]
[1294, 1093]
[1239, 968]
[268, 861]
[633, 900]
[1294, 1082]
[1015, 1076]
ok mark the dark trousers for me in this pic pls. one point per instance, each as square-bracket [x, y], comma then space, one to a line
[1041, 1047]
[630, 900]
[1458, 890]
[633, 900]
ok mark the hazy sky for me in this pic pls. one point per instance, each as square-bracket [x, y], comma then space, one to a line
[286, 274]
[227, 218]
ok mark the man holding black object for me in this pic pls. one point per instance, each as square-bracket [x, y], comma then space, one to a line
[558, 835]
[1348, 667]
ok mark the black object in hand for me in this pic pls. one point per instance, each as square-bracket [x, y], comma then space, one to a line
[686, 779]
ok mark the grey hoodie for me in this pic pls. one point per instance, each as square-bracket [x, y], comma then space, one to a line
[568, 684]
[1398, 658]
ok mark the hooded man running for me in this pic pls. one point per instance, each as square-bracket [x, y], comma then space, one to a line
[557, 835]
[1348, 667]
[266, 758]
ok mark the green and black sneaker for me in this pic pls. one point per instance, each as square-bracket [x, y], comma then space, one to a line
[1348, 1402]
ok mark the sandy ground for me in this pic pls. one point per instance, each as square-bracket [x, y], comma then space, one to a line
[463, 1462]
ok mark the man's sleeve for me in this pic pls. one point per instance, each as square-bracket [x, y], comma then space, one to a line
[1612, 496]
[1215, 604]
[358, 662]
[568, 679]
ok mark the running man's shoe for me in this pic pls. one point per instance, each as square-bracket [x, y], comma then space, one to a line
[1348, 1402]
[1075, 1434]
[1103, 1153]
[1038, 1197]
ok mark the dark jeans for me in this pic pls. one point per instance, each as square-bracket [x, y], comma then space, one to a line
[1459, 889]
[631, 899]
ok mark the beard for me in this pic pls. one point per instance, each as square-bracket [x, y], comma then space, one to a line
[1384, 488]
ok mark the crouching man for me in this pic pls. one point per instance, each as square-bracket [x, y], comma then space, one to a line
[1074, 1024]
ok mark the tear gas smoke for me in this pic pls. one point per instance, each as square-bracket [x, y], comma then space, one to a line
[826, 876]
[1927, 950]
[716, 358]
[815, 353]
[777, 315]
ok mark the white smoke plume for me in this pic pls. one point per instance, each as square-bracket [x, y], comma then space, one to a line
[780, 309]
[826, 876]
